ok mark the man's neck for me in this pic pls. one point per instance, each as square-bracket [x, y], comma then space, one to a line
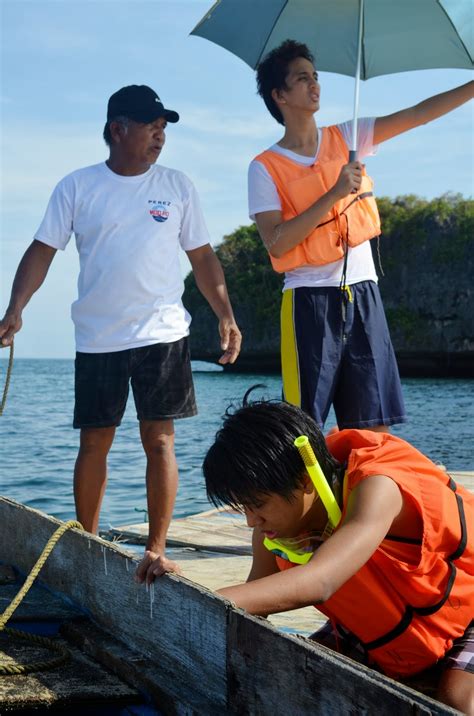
[126, 168]
[301, 135]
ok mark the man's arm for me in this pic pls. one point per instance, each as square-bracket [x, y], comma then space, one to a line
[432, 108]
[29, 276]
[373, 506]
[211, 282]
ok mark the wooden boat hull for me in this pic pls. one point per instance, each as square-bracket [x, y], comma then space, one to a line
[197, 653]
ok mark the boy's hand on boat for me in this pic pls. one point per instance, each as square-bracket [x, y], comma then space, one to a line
[154, 565]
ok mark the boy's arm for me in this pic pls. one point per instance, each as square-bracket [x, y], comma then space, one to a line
[264, 562]
[280, 236]
[373, 506]
[432, 108]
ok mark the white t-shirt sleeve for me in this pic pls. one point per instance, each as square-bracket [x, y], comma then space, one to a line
[194, 233]
[365, 136]
[57, 226]
[262, 192]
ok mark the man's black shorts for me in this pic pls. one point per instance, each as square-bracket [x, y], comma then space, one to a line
[160, 376]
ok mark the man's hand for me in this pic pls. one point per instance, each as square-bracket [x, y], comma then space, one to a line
[154, 565]
[9, 325]
[210, 280]
[29, 276]
[231, 339]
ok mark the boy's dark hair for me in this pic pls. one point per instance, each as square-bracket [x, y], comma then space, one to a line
[254, 453]
[273, 70]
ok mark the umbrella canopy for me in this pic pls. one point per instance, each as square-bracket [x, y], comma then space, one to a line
[396, 35]
[359, 38]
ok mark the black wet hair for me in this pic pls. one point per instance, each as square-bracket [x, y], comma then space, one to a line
[254, 453]
[273, 71]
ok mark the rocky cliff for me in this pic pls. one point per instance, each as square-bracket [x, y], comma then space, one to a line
[427, 258]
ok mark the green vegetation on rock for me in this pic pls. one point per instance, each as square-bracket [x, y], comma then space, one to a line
[427, 261]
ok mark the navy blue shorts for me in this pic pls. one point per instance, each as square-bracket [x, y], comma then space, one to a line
[161, 379]
[336, 349]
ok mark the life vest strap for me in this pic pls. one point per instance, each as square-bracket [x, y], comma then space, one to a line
[359, 197]
[403, 624]
[427, 611]
[462, 519]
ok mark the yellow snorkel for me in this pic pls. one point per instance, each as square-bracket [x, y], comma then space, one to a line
[289, 548]
[318, 479]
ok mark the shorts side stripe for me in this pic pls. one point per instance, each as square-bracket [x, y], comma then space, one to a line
[289, 350]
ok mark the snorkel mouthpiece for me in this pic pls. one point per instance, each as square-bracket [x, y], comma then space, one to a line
[318, 479]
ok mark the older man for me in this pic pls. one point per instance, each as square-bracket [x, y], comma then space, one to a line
[130, 218]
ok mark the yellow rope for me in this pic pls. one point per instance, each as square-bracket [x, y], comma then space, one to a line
[43, 641]
[7, 379]
[14, 669]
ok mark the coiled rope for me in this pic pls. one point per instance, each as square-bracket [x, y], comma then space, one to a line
[7, 379]
[63, 654]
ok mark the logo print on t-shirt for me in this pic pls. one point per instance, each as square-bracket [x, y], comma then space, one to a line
[159, 210]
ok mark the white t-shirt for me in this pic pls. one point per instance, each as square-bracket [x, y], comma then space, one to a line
[129, 230]
[263, 196]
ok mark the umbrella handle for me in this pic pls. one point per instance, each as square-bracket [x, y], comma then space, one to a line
[353, 158]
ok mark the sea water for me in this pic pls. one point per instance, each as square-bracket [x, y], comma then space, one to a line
[38, 445]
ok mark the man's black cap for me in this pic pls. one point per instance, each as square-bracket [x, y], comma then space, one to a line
[140, 103]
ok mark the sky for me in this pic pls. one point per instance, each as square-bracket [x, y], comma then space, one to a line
[62, 59]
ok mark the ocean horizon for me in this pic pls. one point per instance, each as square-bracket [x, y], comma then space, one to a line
[39, 445]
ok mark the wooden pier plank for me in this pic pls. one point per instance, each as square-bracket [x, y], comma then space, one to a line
[214, 530]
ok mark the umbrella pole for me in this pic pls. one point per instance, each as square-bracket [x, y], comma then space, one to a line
[353, 149]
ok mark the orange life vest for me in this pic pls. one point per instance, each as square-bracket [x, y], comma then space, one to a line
[409, 601]
[351, 220]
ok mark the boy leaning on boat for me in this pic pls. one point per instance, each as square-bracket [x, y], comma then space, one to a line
[130, 218]
[390, 561]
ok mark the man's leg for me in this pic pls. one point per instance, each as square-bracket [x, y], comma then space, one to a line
[90, 474]
[163, 390]
[101, 391]
[161, 479]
